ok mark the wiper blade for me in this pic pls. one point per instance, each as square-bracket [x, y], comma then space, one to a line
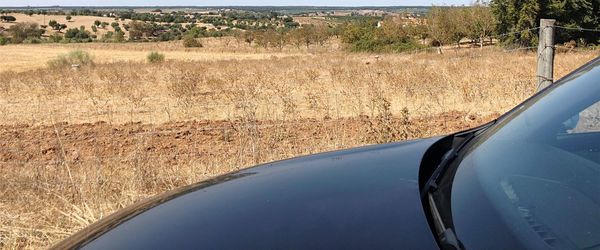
[450, 155]
[439, 171]
[447, 237]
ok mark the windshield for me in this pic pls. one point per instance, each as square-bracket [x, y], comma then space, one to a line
[533, 180]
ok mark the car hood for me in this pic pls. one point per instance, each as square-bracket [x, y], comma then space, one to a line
[365, 197]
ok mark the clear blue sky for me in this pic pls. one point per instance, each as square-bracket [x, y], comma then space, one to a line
[8, 3]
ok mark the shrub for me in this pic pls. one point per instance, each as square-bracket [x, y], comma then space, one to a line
[78, 35]
[56, 37]
[22, 31]
[32, 40]
[8, 18]
[155, 57]
[119, 36]
[190, 42]
[108, 36]
[78, 57]
[3, 40]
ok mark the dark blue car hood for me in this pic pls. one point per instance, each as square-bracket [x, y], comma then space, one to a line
[359, 198]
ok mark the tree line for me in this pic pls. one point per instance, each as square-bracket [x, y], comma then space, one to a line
[517, 15]
[509, 22]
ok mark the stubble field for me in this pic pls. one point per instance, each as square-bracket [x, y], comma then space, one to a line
[78, 144]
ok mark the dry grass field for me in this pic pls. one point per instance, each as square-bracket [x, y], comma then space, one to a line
[226, 48]
[75, 22]
[76, 145]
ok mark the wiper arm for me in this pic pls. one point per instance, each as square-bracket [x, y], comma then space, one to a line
[439, 171]
[446, 235]
[449, 156]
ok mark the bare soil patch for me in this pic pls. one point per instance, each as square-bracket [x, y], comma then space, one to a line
[182, 142]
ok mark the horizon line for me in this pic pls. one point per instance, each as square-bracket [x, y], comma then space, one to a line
[214, 6]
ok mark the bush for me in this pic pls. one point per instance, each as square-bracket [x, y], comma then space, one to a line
[32, 40]
[155, 57]
[77, 57]
[55, 38]
[8, 18]
[22, 31]
[119, 36]
[190, 42]
[3, 40]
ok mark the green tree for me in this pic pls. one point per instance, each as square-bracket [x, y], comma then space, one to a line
[518, 15]
[78, 35]
[261, 38]
[21, 31]
[138, 30]
[447, 24]
[108, 36]
[56, 26]
[479, 22]
[68, 17]
[321, 34]
[8, 19]
[388, 36]
[574, 14]
[438, 21]
[277, 38]
[119, 36]
[419, 31]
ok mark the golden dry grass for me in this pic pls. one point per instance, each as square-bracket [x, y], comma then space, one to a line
[76, 22]
[76, 145]
[19, 58]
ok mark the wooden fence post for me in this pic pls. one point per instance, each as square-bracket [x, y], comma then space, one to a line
[545, 55]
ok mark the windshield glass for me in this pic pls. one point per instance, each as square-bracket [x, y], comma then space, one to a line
[533, 180]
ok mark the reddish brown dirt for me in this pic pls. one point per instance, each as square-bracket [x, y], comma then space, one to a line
[181, 142]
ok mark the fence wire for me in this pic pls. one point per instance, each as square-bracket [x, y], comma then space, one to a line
[576, 28]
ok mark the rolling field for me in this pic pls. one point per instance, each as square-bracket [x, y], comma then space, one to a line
[78, 144]
[36, 57]
[75, 22]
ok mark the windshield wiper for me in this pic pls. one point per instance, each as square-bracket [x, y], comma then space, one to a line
[459, 141]
[446, 236]
[432, 182]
